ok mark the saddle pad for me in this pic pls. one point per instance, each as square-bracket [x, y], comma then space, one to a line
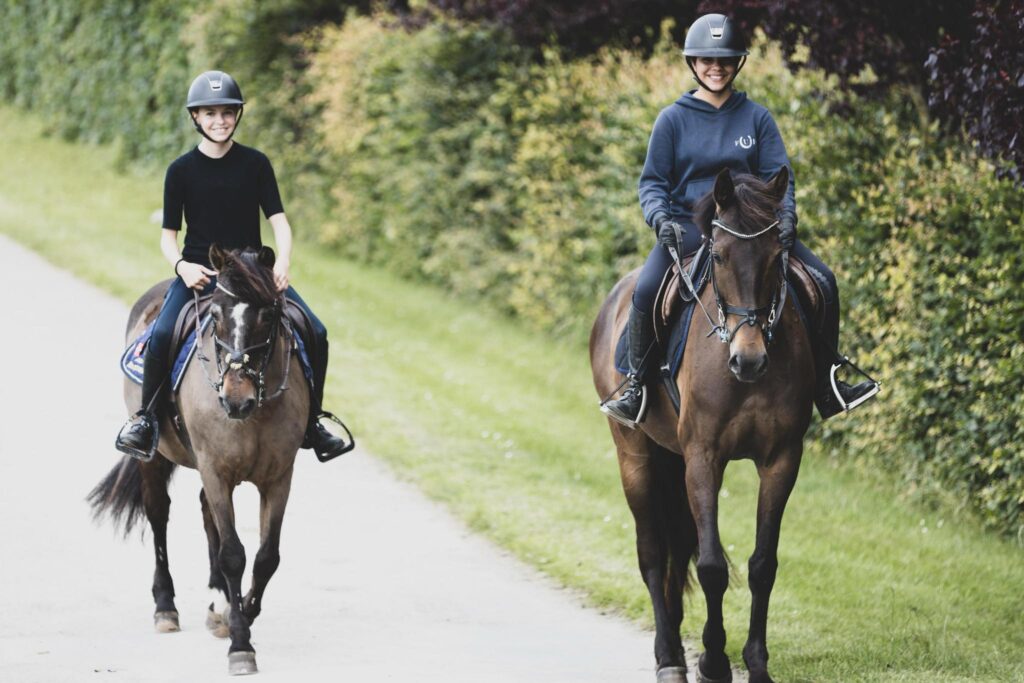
[133, 358]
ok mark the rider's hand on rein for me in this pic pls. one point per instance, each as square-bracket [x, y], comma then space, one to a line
[194, 275]
[787, 232]
[670, 233]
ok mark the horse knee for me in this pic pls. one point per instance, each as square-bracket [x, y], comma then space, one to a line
[231, 558]
[761, 572]
[713, 575]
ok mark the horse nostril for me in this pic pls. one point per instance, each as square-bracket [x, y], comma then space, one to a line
[734, 362]
[248, 405]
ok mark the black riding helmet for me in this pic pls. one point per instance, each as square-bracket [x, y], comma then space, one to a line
[715, 35]
[212, 88]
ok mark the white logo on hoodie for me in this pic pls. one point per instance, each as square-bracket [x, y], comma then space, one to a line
[745, 141]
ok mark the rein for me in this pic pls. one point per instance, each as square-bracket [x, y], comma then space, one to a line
[238, 359]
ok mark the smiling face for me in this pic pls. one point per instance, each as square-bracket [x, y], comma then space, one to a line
[217, 121]
[715, 73]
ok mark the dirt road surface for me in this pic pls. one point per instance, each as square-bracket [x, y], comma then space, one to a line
[376, 582]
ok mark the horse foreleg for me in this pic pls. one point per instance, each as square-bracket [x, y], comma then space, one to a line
[231, 559]
[157, 504]
[273, 499]
[215, 621]
[777, 482]
[703, 480]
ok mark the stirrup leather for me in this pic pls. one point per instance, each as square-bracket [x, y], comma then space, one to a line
[847, 407]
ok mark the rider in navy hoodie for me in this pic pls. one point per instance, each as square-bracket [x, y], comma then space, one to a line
[702, 132]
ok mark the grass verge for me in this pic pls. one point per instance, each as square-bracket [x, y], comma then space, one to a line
[501, 425]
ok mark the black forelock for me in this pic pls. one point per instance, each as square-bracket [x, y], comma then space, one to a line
[755, 202]
[247, 278]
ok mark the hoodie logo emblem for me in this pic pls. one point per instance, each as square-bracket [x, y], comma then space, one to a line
[745, 141]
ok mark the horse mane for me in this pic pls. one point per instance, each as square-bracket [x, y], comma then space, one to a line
[756, 206]
[246, 277]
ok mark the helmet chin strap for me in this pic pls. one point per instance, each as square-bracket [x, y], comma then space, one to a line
[199, 129]
[689, 62]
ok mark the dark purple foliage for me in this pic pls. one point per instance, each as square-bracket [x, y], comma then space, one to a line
[578, 27]
[977, 79]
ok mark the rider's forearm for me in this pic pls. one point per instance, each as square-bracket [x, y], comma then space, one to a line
[169, 246]
[282, 236]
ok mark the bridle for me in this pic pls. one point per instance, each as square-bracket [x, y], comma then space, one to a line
[240, 359]
[748, 315]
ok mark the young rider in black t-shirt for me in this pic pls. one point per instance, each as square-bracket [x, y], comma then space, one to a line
[220, 186]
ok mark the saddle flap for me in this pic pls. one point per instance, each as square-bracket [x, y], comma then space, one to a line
[808, 289]
[186, 325]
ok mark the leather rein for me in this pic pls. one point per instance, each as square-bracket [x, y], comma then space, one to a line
[240, 359]
[748, 315]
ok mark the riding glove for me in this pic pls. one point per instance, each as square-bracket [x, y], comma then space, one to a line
[787, 231]
[666, 228]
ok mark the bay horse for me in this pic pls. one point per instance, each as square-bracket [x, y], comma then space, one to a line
[747, 398]
[233, 432]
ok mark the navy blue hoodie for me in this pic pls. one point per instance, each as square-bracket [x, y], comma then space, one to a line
[692, 141]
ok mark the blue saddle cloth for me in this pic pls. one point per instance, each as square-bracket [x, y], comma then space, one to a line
[132, 360]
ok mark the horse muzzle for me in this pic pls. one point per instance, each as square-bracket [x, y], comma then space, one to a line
[238, 410]
[748, 367]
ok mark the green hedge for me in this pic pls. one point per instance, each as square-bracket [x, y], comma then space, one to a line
[449, 154]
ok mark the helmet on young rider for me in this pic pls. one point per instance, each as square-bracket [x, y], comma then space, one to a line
[715, 35]
[212, 88]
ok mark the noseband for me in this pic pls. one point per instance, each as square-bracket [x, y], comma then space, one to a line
[239, 359]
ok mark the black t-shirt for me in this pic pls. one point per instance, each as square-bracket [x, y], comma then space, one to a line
[220, 198]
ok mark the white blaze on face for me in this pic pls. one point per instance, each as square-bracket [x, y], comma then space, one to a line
[238, 315]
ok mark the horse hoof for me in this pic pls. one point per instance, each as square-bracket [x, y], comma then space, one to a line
[672, 674]
[217, 624]
[166, 622]
[242, 663]
[701, 678]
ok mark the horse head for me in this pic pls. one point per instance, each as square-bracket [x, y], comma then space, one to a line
[246, 312]
[737, 218]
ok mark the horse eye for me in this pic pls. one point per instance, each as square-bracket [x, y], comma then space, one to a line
[718, 257]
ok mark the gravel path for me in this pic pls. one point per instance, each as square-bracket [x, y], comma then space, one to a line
[376, 582]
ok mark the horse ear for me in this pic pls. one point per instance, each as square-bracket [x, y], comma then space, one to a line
[266, 257]
[217, 257]
[724, 191]
[779, 183]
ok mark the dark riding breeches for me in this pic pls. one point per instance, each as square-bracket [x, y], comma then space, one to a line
[155, 360]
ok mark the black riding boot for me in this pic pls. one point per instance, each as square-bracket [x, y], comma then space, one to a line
[141, 434]
[832, 395]
[325, 444]
[631, 407]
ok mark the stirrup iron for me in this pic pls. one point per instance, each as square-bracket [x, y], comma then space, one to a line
[350, 440]
[144, 456]
[847, 407]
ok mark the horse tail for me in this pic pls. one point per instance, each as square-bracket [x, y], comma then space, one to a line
[121, 494]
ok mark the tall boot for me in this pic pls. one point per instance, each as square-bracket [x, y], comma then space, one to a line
[325, 444]
[631, 408]
[832, 395]
[141, 434]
